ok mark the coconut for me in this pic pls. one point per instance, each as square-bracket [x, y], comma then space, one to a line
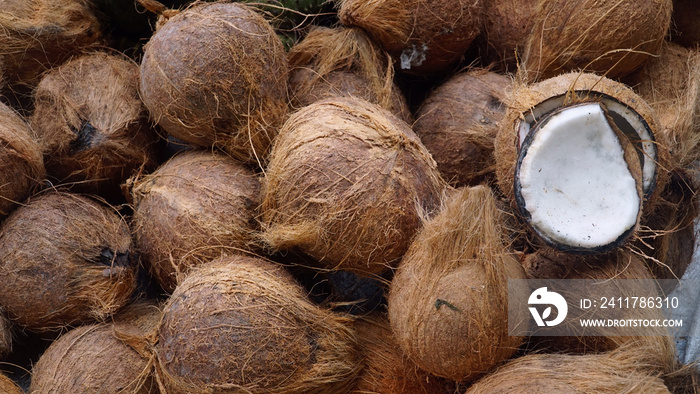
[670, 83]
[448, 302]
[66, 259]
[615, 372]
[569, 143]
[216, 75]
[192, 209]
[92, 358]
[424, 37]
[92, 124]
[8, 386]
[609, 38]
[343, 61]
[386, 370]
[685, 30]
[20, 159]
[506, 25]
[243, 324]
[458, 123]
[347, 183]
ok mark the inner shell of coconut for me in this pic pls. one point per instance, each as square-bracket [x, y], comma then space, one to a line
[573, 181]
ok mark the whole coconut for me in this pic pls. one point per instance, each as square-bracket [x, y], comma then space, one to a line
[348, 183]
[448, 302]
[611, 38]
[458, 123]
[216, 75]
[21, 161]
[423, 37]
[40, 34]
[343, 61]
[64, 259]
[192, 209]
[92, 124]
[243, 324]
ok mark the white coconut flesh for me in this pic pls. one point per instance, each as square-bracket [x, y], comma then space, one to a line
[573, 182]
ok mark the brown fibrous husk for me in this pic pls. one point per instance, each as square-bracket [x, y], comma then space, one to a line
[5, 335]
[458, 123]
[347, 183]
[21, 160]
[507, 23]
[99, 358]
[242, 324]
[604, 37]
[343, 61]
[216, 75]
[192, 209]
[424, 37]
[37, 35]
[670, 83]
[66, 260]
[386, 369]
[92, 125]
[448, 302]
[8, 386]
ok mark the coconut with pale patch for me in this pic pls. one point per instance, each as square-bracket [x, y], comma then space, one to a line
[66, 259]
[8, 386]
[94, 358]
[242, 324]
[612, 38]
[386, 370]
[192, 209]
[458, 123]
[579, 157]
[347, 183]
[37, 35]
[423, 37]
[21, 161]
[670, 83]
[448, 302]
[93, 127]
[215, 74]
[343, 62]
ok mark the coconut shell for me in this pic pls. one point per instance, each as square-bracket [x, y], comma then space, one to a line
[92, 124]
[458, 123]
[40, 34]
[343, 61]
[670, 83]
[8, 386]
[424, 37]
[448, 302]
[611, 38]
[386, 369]
[506, 25]
[91, 359]
[192, 209]
[20, 160]
[347, 184]
[66, 260]
[243, 324]
[563, 373]
[216, 75]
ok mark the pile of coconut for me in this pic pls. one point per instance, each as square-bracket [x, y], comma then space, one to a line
[317, 196]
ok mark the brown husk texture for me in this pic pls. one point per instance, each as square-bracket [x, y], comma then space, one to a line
[5, 335]
[8, 386]
[91, 359]
[93, 127]
[242, 324]
[670, 83]
[347, 184]
[36, 35]
[65, 260]
[612, 38]
[21, 162]
[458, 123]
[448, 302]
[343, 61]
[507, 24]
[436, 33]
[216, 75]
[196, 207]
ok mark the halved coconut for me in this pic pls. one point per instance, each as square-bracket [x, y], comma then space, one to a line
[578, 156]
